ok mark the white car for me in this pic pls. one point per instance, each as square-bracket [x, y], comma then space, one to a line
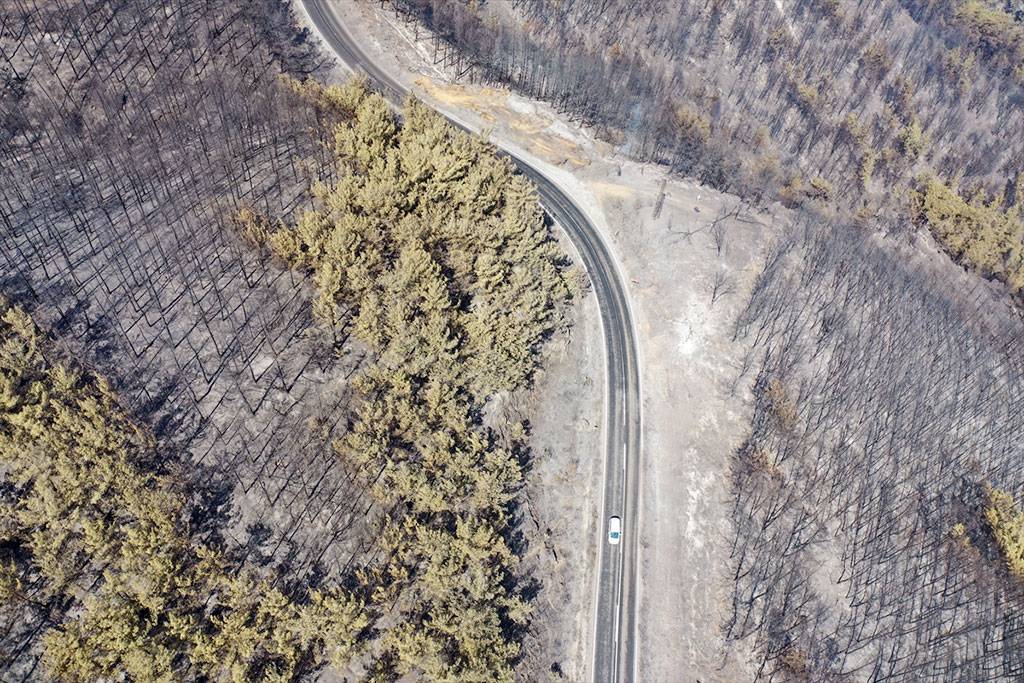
[614, 530]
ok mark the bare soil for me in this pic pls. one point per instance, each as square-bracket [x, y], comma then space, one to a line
[695, 416]
[561, 511]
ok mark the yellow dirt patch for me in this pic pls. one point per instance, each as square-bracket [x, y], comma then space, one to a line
[483, 101]
[491, 104]
[557, 150]
[525, 124]
[611, 190]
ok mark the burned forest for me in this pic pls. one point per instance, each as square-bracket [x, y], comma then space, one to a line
[885, 433]
[702, 358]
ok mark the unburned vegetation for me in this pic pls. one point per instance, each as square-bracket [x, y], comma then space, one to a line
[984, 233]
[435, 254]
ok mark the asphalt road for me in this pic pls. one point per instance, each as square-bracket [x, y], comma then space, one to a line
[614, 654]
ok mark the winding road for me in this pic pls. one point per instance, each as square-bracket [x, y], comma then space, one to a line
[614, 645]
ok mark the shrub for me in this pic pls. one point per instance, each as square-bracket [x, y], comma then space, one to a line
[959, 65]
[876, 59]
[693, 129]
[794, 662]
[761, 460]
[806, 95]
[867, 167]
[821, 188]
[792, 193]
[854, 130]
[783, 407]
[777, 41]
[912, 140]
[1006, 522]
